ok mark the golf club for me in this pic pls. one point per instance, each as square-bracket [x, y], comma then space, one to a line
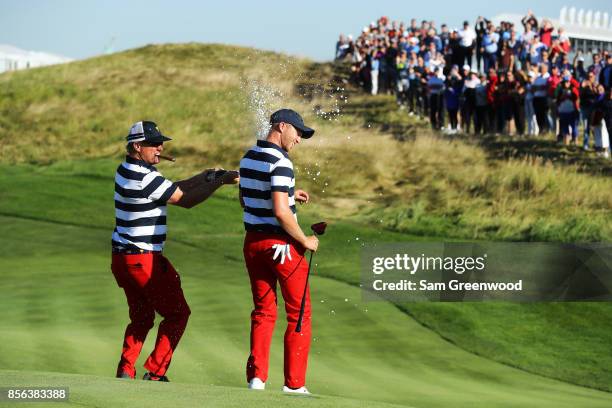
[318, 229]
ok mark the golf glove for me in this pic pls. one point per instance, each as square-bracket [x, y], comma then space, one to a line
[282, 250]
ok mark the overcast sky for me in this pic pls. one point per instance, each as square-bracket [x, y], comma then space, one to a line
[84, 28]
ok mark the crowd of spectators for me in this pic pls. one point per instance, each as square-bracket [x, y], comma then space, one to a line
[488, 78]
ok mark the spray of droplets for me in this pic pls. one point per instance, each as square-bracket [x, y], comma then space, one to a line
[263, 99]
[334, 98]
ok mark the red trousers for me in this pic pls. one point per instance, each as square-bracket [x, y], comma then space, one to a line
[151, 284]
[265, 273]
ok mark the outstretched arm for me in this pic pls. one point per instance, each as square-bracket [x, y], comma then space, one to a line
[195, 190]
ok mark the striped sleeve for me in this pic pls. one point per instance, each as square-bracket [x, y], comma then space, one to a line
[157, 188]
[281, 176]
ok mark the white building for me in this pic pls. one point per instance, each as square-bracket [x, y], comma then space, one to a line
[13, 58]
[588, 30]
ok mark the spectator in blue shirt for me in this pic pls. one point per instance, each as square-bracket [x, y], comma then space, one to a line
[605, 76]
[451, 98]
[490, 47]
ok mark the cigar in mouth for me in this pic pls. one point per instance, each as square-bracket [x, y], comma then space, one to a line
[169, 158]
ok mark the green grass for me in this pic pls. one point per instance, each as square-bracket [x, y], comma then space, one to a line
[559, 340]
[96, 391]
[68, 315]
[373, 173]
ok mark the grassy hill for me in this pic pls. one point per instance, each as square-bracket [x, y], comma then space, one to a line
[61, 136]
[212, 100]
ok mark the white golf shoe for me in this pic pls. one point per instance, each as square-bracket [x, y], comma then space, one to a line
[301, 390]
[256, 384]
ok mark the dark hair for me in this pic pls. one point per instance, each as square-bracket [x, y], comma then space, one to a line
[130, 148]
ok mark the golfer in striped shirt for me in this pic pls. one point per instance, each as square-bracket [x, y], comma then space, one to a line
[150, 282]
[274, 249]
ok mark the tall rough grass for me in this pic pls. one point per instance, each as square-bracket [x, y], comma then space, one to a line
[450, 189]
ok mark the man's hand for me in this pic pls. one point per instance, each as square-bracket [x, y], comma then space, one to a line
[301, 196]
[222, 175]
[287, 221]
[311, 243]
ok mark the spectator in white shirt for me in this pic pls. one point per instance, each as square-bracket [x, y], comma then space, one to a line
[467, 37]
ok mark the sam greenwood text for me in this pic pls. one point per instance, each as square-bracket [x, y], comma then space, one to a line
[453, 285]
[458, 265]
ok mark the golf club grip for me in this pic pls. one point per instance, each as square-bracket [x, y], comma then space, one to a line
[298, 326]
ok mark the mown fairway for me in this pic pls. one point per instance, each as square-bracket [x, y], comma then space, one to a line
[62, 312]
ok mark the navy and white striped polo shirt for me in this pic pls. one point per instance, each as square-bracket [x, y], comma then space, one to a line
[265, 168]
[141, 193]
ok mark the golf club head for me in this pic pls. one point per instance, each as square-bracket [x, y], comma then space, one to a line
[319, 228]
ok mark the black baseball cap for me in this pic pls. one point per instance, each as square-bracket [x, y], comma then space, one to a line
[146, 131]
[293, 118]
